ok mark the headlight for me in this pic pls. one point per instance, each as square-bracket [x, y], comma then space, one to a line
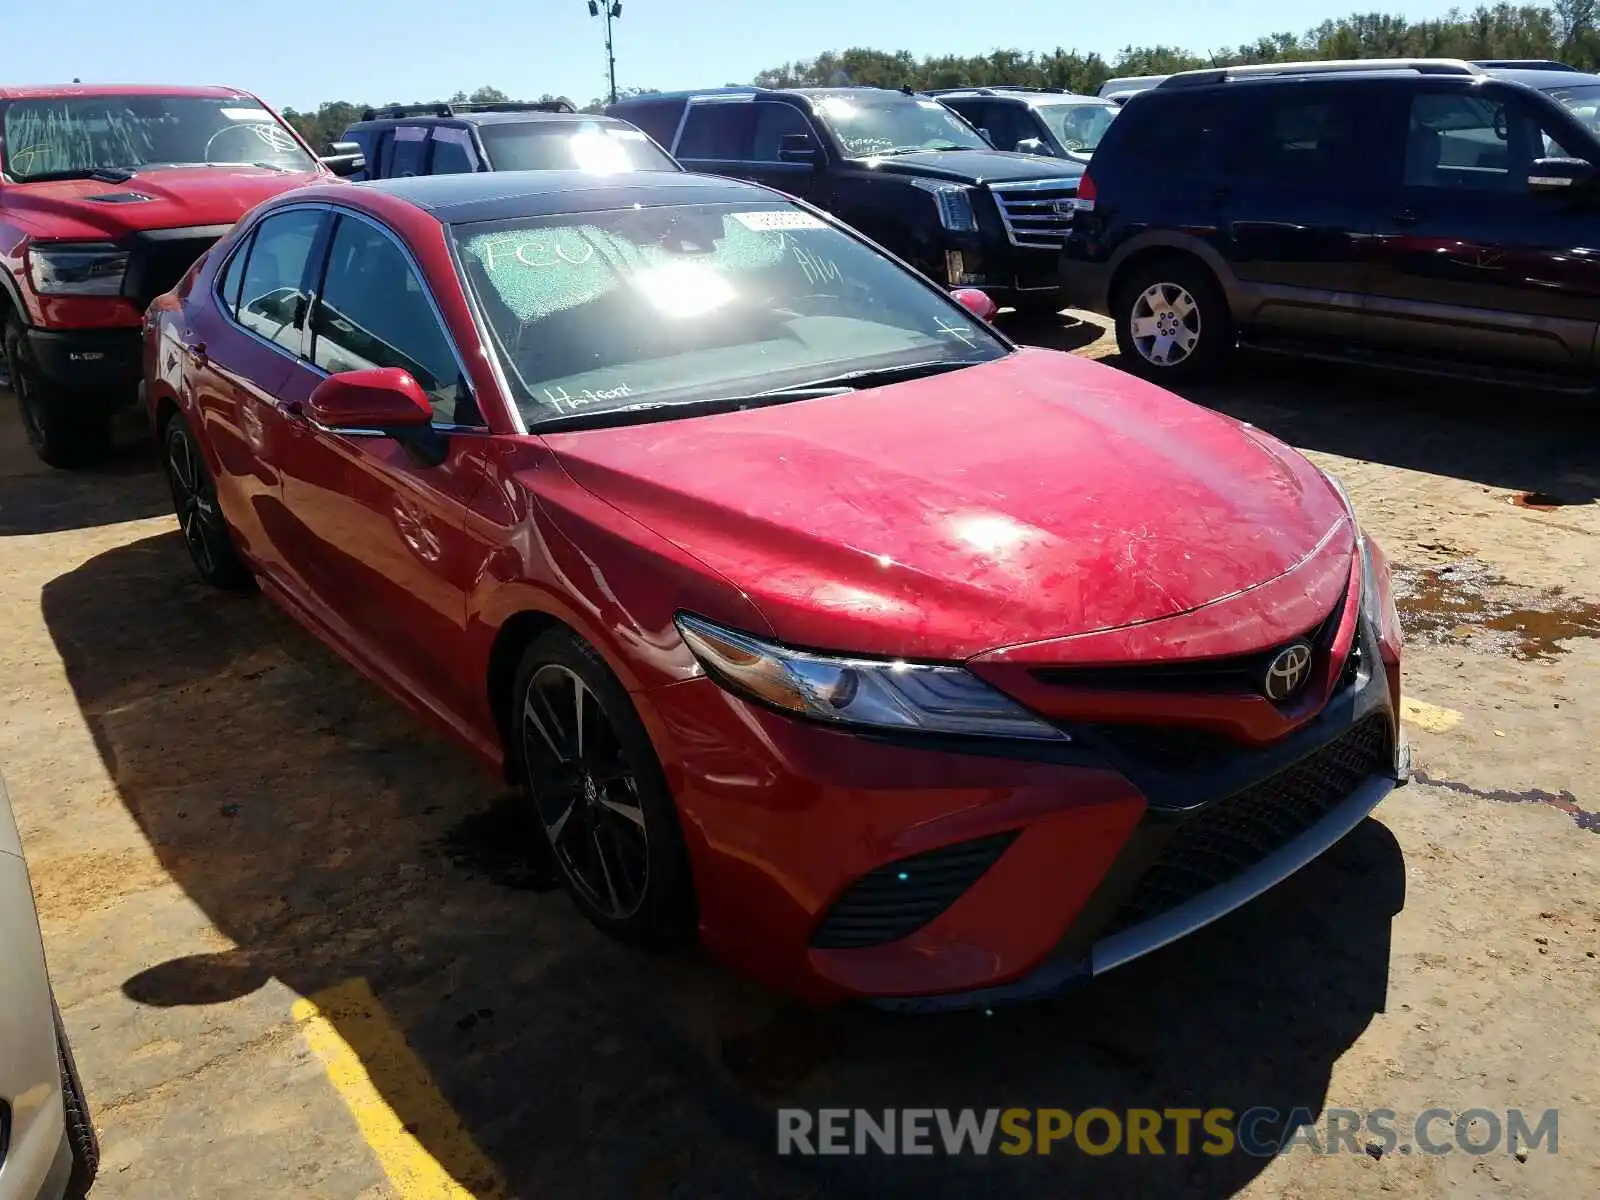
[77, 269]
[860, 692]
[955, 204]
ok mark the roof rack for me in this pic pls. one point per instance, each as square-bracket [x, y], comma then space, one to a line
[991, 88]
[451, 109]
[1526, 64]
[1422, 66]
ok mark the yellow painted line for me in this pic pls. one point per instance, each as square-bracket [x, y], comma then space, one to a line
[1428, 717]
[417, 1138]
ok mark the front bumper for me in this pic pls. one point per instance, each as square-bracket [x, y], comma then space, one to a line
[106, 362]
[1042, 852]
[1009, 274]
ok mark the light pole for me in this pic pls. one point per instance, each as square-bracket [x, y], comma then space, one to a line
[610, 9]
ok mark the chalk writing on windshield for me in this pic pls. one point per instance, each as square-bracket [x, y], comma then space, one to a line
[564, 401]
[539, 252]
[966, 337]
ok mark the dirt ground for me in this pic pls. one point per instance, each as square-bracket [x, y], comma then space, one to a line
[222, 818]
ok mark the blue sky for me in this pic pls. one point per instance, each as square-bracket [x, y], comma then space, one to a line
[380, 50]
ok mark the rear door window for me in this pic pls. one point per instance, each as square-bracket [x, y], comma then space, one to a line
[453, 152]
[410, 152]
[274, 292]
[1296, 139]
[723, 132]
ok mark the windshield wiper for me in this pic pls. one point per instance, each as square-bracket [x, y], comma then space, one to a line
[668, 410]
[879, 376]
[100, 174]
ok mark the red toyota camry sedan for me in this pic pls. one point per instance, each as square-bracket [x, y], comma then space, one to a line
[819, 621]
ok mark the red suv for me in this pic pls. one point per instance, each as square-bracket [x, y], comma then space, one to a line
[813, 615]
[107, 196]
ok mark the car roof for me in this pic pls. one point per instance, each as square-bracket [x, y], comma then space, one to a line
[57, 91]
[689, 94]
[1546, 80]
[852, 93]
[494, 118]
[502, 195]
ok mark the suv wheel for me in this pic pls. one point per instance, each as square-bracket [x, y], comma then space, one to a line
[1173, 321]
[65, 429]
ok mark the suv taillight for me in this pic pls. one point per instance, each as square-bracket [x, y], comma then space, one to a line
[1086, 189]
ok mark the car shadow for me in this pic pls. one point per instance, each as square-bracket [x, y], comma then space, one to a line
[34, 498]
[1514, 438]
[331, 838]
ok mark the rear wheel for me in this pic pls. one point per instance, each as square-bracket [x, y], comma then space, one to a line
[194, 500]
[1172, 321]
[65, 428]
[599, 794]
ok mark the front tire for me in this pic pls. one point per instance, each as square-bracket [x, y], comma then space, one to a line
[66, 429]
[1173, 322]
[81, 1136]
[599, 794]
[194, 500]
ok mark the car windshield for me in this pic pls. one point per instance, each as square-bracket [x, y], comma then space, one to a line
[1583, 103]
[62, 137]
[1078, 126]
[589, 146]
[867, 126]
[646, 307]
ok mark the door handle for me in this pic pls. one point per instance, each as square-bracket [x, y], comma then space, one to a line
[1407, 216]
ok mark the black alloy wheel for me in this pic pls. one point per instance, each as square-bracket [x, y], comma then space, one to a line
[599, 794]
[194, 500]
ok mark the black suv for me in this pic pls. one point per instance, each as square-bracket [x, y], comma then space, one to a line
[1433, 215]
[1034, 120]
[454, 139]
[900, 167]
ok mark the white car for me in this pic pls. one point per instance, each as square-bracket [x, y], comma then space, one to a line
[48, 1149]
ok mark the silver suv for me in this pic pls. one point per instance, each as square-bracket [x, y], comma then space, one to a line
[48, 1149]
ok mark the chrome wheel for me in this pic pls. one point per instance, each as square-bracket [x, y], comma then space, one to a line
[195, 502]
[1165, 324]
[585, 791]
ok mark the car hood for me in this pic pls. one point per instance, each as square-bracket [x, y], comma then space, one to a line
[160, 199]
[1038, 496]
[976, 166]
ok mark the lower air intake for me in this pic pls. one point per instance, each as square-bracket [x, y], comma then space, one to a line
[1221, 840]
[901, 897]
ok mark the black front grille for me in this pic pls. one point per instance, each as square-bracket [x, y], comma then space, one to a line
[1236, 675]
[158, 258]
[901, 897]
[1170, 749]
[1220, 840]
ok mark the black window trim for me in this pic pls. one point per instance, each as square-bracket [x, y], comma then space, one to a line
[325, 252]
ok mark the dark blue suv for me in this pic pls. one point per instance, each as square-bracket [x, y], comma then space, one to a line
[1432, 215]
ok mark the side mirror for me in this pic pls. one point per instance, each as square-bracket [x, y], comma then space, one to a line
[344, 158]
[799, 148]
[976, 302]
[1033, 146]
[380, 402]
[1558, 174]
[371, 403]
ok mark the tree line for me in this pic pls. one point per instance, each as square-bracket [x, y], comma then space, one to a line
[1564, 29]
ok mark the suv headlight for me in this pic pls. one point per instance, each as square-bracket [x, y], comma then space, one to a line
[860, 692]
[77, 268]
[955, 204]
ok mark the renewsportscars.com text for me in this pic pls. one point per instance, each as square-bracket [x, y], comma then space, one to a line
[1260, 1132]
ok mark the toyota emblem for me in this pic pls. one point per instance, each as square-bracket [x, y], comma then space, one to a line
[1287, 672]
